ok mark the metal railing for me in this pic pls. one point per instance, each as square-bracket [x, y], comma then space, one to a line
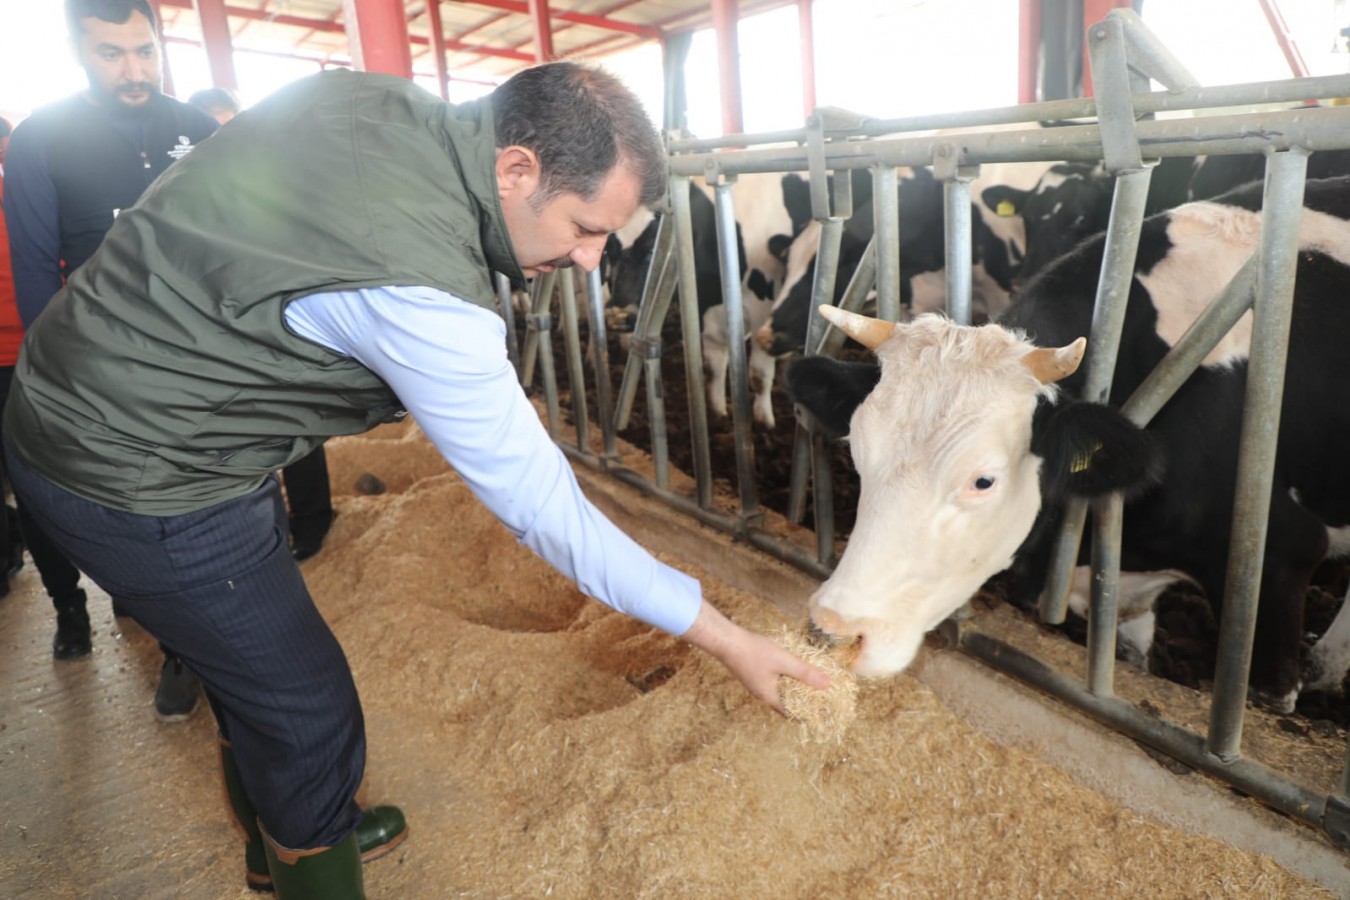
[1124, 56]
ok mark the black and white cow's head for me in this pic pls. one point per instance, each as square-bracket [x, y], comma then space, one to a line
[959, 439]
[1071, 202]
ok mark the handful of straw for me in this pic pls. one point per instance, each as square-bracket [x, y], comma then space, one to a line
[823, 715]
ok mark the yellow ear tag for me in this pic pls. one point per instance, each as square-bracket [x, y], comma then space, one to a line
[1005, 208]
[1083, 461]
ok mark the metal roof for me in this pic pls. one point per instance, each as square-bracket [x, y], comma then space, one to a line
[486, 40]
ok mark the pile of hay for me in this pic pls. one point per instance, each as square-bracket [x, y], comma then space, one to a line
[544, 745]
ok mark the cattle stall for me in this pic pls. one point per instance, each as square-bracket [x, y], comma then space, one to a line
[1127, 130]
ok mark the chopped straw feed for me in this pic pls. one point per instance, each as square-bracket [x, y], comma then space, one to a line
[825, 715]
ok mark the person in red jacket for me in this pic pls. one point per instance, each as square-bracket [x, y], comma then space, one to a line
[11, 336]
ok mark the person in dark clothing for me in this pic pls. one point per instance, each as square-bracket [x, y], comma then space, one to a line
[219, 103]
[72, 167]
[394, 209]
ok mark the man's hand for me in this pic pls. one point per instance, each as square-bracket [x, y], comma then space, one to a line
[757, 661]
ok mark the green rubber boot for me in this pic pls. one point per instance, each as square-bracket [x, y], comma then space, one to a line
[325, 873]
[246, 817]
[382, 828]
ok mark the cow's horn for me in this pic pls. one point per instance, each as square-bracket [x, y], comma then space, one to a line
[869, 332]
[1050, 364]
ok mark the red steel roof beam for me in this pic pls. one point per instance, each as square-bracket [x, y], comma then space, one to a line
[683, 22]
[1288, 46]
[219, 46]
[438, 47]
[237, 12]
[517, 6]
[243, 26]
[481, 25]
[377, 33]
[543, 31]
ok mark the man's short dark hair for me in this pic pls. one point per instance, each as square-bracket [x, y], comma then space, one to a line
[115, 11]
[581, 121]
[215, 99]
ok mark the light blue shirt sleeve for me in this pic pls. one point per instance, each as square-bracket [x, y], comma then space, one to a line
[446, 360]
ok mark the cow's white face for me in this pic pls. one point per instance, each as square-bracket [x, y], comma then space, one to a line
[950, 487]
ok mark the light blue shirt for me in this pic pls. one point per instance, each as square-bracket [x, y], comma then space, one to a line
[446, 360]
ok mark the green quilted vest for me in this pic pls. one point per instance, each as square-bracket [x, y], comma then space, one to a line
[162, 378]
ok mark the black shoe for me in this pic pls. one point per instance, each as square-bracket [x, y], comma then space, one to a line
[308, 533]
[72, 631]
[16, 543]
[178, 691]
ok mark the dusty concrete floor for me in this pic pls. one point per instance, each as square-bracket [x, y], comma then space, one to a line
[98, 799]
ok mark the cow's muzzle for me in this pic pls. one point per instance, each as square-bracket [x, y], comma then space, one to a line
[842, 648]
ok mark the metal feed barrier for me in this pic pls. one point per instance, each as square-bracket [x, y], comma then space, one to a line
[1124, 57]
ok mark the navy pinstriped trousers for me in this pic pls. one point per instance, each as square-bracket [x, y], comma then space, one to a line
[220, 588]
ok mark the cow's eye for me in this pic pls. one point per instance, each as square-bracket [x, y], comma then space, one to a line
[983, 482]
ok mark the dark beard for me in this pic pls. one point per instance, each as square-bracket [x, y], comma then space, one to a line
[112, 100]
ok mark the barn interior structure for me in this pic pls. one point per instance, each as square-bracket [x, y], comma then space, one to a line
[544, 745]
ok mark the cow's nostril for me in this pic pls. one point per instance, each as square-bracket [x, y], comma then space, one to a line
[817, 637]
[842, 648]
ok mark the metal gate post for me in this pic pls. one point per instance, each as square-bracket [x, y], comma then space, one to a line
[956, 181]
[886, 238]
[690, 329]
[737, 379]
[1281, 212]
[1108, 319]
[657, 291]
[576, 373]
[508, 311]
[604, 388]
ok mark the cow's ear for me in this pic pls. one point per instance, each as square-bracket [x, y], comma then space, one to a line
[1004, 199]
[829, 390]
[1090, 449]
[779, 245]
[797, 201]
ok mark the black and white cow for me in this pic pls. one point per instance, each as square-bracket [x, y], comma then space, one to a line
[966, 440]
[769, 211]
[1072, 201]
[997, 242]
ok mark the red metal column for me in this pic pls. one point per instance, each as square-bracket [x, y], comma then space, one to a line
[1286, 40]
[438, 46]
[543, 30]
[216, 39]
[725, 15]
[1028, 50]
[377, 35]
[808, 38]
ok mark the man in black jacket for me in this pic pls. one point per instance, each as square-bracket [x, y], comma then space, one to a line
[71, 168]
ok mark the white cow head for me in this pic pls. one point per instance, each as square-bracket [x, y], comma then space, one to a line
[950, 486]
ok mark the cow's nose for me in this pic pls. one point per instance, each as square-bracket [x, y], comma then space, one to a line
[842, 648]
[764, 336]
[817, 636]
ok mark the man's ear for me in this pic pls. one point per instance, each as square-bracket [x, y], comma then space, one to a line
[517, 169]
